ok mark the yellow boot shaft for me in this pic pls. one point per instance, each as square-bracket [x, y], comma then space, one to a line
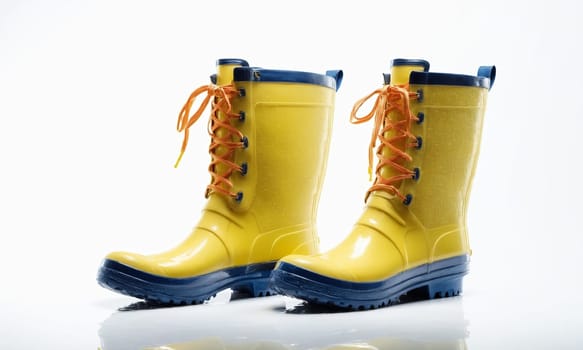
[451, 136]
[288, 127]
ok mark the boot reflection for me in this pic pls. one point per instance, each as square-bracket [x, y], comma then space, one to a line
[402, 344]
[218, 344]
[377, 344]
[284, 323]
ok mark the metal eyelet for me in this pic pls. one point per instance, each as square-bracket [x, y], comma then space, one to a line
[420, 95]
[419, 142]
[242, 92]
[408, 199]
[245, 142]
[239, 197]
[416, 174]
[244, 168]
[420, 117]
[241, 116]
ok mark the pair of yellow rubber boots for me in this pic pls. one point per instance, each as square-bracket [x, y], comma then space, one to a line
[270, 134]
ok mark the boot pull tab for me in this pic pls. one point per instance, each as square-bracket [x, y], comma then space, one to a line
[337, 75]
[488, 72]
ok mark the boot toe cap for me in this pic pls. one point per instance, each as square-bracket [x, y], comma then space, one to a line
[319, 264]
[136, 261]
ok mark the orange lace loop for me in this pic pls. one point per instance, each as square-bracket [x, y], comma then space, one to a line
[221, 102]
[389, 98]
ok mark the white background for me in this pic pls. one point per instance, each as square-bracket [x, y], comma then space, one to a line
[90, 91]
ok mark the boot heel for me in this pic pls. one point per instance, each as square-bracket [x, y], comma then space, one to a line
[446, 287]
[261, 288]
[257, 288]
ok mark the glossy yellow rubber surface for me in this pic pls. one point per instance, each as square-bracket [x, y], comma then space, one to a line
[391, 237]
[288, 126]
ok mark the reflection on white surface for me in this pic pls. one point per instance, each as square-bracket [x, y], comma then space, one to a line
[284, 323]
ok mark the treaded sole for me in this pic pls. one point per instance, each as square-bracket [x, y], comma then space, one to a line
[440, 279]
[252, 280]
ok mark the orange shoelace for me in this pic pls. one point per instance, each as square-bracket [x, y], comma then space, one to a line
[221, 101]
[389, 98]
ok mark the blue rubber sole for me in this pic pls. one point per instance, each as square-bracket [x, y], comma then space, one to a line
[250, 279]
[439, 279]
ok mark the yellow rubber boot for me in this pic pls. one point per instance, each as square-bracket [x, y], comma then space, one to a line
[412, 237]
[270, 133]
